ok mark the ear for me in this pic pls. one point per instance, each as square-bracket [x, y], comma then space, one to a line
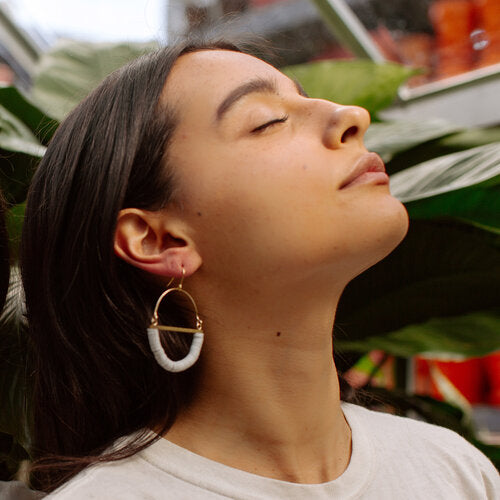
[155, 242]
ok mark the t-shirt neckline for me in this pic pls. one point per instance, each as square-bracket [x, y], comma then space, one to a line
[235, 483]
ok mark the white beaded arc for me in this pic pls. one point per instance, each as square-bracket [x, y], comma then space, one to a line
[154, 335]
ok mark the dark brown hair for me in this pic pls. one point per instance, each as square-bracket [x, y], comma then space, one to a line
[93, 377]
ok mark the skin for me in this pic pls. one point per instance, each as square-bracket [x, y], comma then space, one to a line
[268, 240]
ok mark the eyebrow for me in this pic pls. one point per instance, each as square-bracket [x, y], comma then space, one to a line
[257, 85]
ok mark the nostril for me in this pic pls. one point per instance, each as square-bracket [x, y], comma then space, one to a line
[350, 132]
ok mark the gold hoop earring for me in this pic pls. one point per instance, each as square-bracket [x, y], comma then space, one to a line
[154, 334]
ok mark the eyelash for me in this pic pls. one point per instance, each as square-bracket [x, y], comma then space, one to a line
[270, 123]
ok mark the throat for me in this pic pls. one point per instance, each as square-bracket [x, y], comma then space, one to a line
[267, 398]
[293, 430]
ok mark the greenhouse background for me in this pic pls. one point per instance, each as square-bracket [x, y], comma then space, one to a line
[425, 342]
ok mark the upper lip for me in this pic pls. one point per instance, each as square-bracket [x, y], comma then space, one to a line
[368, 162]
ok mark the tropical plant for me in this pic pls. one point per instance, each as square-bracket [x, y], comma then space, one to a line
[437, 292]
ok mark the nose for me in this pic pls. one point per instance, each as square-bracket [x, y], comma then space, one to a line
[345, 126]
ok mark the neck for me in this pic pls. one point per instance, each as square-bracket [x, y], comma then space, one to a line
[268, 395]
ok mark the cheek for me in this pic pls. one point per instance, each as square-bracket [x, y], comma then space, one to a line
[258, 219]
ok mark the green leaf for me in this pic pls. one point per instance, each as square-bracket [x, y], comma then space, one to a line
[16, 136]
[435, 148]
[41, 125]
[464, 185]
[477, 205]
[479, 225]
[441, 269]
[364, 83]
[389, 138]
[69, 72]
[470, 335]
[472, 167]
[472, 138]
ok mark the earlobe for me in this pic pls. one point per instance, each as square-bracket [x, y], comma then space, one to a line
[153, 243]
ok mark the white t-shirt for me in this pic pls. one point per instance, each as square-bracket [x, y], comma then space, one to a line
[392, 458]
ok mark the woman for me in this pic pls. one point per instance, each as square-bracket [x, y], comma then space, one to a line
[205, 165]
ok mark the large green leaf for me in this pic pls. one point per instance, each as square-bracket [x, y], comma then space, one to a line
[41, 125]
[476, 205]
[438, 147]
[69, 72]
[463, 185]
[389, 138]
[441, 269]
[17, 137]
[472, 167]
[470, 335]
[471, 138]
[364, 83]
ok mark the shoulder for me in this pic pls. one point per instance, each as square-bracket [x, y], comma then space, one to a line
[390, 427]
[137, 476]
[424, 449]
[17, 490]
[119, 479]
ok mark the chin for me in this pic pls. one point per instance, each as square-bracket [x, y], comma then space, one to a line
[372, 234]
[401, 224]
[393, 232]
[388, 231]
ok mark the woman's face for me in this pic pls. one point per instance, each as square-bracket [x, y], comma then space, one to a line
[262, 173]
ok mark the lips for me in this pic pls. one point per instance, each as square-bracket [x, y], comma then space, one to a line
[369, 168]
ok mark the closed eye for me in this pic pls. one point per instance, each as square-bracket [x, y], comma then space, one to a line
[270, 123]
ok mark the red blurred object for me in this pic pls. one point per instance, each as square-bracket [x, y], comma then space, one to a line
[477, 379]
[453, 22]
[416, 49]
[467, 376]
[488, 24]
[492, 369]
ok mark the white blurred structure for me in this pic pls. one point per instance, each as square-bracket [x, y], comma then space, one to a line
[19, 51]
